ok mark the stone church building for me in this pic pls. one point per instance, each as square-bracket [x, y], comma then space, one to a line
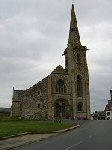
[64, 93]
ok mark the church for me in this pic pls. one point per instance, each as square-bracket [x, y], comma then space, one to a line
[64, 94]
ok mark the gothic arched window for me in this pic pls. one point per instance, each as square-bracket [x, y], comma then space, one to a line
[79, 106]
[79, 86]
[60, 86]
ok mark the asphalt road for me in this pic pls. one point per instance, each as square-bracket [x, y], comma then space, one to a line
[92, 135]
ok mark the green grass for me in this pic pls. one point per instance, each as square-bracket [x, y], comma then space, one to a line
[8, 128]
[7, 118]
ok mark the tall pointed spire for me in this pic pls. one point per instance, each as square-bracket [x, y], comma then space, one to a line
[74, 37]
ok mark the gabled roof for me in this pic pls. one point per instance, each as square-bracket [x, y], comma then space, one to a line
[18, 95]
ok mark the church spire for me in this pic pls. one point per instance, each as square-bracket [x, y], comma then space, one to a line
[74, 37]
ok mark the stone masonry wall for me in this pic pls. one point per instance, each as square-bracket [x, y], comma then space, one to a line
[34, 105]
[16, 109]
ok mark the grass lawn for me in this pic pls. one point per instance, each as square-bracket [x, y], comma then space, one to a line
[8, 128]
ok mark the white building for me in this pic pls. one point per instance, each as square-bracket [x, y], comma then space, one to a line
[108, 108]
[109, 115]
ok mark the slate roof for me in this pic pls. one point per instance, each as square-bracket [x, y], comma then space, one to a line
[18, 95]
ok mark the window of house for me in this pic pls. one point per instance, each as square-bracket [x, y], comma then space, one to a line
[108, 113]
[79, 86]
[60, 86]
[80, 106]
[108, 118]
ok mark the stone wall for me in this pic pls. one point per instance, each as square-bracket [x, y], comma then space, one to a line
[16, 109]
[34, 104]
[17, 98]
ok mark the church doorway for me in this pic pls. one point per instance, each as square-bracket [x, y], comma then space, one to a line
[61, 109]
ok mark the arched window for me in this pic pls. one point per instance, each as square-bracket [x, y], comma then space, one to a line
[60, 86]
[78, 58]
[79, 106]
[79, 86]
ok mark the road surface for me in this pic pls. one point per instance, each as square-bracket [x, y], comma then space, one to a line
[92, 135]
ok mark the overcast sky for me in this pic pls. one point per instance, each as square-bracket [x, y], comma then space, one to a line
[34, 34]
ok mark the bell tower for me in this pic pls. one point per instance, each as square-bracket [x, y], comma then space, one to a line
[76, 66]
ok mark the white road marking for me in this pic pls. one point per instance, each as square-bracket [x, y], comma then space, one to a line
[68, 148]
[73, 145]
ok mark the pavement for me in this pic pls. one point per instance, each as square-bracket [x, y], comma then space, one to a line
[22, 140]
[14, 142]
